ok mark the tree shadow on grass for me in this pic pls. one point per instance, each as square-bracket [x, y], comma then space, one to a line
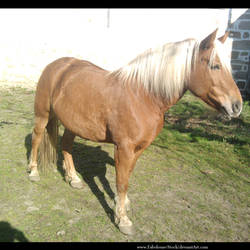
[182, 115]
[182, 124]
[199, 129]
[11, 234]
[90, 162]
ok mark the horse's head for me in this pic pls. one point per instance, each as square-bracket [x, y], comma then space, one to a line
[211, 78]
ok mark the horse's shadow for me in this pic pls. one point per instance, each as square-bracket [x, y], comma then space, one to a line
[90, 162]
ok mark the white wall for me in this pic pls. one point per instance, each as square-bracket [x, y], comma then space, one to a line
[32, 38]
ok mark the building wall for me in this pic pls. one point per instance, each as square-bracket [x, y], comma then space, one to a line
[32, 38]
[240, 57]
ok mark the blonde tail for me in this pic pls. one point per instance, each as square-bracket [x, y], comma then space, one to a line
[47, 155]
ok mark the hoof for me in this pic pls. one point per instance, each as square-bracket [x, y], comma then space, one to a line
[76, 184]
[128, 230]
[34, 177]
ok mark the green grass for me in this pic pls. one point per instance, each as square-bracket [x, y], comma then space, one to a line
[191, 184]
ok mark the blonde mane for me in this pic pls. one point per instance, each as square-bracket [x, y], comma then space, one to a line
[165, 71]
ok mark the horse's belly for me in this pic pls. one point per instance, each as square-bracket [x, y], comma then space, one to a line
[86, 121]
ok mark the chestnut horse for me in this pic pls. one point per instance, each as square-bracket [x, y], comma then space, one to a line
[126, 107]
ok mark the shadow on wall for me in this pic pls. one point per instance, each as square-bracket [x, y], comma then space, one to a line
[11, 234]
[240, 57]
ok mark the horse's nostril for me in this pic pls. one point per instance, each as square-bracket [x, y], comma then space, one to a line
[236, 107]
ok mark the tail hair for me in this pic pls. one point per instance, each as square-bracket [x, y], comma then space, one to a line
[47, 154]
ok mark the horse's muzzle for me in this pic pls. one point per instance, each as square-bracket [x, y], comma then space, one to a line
[233, 109]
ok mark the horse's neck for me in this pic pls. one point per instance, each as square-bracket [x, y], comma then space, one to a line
[158, 103]
[165, 105]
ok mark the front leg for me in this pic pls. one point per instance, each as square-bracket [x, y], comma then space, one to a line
[125, 160]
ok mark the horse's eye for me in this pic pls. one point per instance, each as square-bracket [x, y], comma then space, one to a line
[216, 66]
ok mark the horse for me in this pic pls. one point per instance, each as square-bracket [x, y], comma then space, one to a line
[126, 106]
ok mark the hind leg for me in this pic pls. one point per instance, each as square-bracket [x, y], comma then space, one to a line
[40, 124]
[68, 164]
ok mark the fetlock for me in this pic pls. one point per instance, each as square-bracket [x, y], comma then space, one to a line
[76, 183]
[34, 175]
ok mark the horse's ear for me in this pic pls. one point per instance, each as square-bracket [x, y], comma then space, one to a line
[224, 37]
[208, 42]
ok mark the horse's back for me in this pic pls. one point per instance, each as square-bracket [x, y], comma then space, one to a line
[54, 77]
[54, 72]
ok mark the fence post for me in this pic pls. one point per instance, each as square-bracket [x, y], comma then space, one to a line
[108, 18]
